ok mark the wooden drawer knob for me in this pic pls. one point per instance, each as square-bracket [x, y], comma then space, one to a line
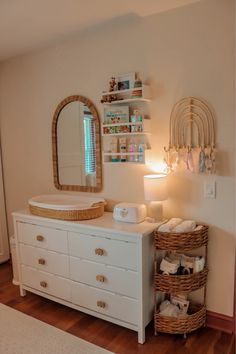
[39, 238]
[101, 304]
[100, 278]
[41, 261]
[43, 284]
[99, 251]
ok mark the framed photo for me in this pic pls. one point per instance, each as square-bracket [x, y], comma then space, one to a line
[126, 81]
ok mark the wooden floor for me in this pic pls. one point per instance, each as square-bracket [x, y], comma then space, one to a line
[110, 336]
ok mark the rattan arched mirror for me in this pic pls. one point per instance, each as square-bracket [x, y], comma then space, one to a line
[76, 146]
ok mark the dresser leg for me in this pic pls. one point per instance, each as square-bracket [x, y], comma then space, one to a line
[22, 291]
[141, 336]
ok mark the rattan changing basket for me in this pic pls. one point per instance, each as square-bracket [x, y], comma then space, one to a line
[74, 208]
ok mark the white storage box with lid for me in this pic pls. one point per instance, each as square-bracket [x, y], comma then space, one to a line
[130, 212]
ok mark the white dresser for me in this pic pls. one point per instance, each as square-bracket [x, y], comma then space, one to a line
[100, 266]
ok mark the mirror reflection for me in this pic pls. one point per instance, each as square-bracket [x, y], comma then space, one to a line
[77, 145]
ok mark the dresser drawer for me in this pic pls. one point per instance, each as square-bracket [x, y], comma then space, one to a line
[43, 237]
[45, 282]
[44, 260]
[103, 250]
[117, 280]
[119, 307]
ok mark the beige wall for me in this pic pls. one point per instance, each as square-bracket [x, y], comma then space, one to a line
[187, 51]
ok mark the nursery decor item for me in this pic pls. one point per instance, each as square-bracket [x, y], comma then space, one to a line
[116, 114]
[66, 207]
[76, 146]
[122, 149]
[127, 115]
[126, 81]
[192, 139]
[155, 192]
[180, 283]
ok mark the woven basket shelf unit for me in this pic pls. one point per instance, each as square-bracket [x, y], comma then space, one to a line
[181, 284]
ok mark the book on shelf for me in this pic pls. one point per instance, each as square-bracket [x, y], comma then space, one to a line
[116, 114]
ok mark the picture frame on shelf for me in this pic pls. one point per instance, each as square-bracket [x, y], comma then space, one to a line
[125, 81]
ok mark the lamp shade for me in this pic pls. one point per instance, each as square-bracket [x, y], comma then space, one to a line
[155, 187]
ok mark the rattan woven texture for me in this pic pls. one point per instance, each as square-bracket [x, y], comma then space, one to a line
[184, 324]
[180, 242]
[180, 283]
[73, 215]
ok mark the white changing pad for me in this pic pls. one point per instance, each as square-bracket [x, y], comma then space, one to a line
[65, 202]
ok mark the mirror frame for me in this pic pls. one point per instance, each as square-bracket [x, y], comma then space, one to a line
[94, 112]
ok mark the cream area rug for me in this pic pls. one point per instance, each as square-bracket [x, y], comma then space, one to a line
[22, 334]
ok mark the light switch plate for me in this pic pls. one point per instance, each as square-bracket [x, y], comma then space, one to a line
[210, 189]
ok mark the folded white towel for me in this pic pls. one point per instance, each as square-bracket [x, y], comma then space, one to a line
[170, 225]
[199, 227]
[185, 226]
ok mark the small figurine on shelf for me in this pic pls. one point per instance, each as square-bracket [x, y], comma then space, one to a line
[113, 84]
[137, 83]
[112, 87]
[122, 147]
[137, 92]
[105, 98]
[106, 130]
[136, 116]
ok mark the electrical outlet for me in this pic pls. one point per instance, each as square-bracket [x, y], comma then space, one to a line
[210, 190]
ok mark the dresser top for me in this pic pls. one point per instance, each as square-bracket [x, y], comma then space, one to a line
[103, 223]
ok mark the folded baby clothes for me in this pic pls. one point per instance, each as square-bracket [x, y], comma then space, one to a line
[169, 266]
[169, 225]
[192, 264]
[198, 264]
[174, 256]
[198, 228]
[170, 310]
[185, 226]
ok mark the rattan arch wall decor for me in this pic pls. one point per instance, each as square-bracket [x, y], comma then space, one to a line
[192, 131]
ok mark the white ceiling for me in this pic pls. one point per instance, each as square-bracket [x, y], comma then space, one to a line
[26, 25]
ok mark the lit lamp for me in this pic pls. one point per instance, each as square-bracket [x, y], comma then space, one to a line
[155, 192]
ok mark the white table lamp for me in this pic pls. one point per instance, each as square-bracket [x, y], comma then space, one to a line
[155, 192]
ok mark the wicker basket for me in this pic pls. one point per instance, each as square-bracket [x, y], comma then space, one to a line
[180, 283]
[90, 213]
[179, 325]
[184, 241]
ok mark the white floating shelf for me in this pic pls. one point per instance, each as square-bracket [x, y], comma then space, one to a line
[119, 124]
[128, 100]
[120, 129]
[128, 133]
[123, 163]
[108, 93]
[123, 153]
[107, 155]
